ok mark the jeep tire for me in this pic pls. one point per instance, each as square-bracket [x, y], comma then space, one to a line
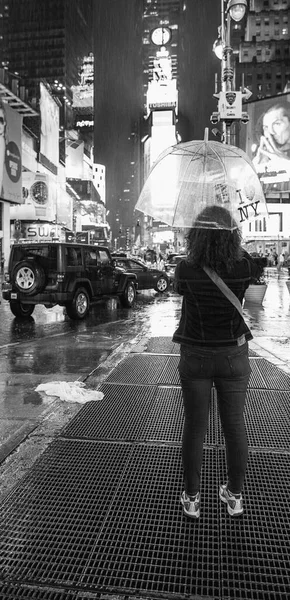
[20, 310]
[127, 299]
[161, 285]
[80, 305]
[29, 277]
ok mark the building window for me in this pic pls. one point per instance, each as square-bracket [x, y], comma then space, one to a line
[285, 31]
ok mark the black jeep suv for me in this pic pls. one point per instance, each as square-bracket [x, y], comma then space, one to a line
[73, 275]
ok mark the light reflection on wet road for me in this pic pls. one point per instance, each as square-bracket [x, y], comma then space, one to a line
[49, 346]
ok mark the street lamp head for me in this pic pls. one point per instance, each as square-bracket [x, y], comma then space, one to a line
[218, 48]
[237, 9]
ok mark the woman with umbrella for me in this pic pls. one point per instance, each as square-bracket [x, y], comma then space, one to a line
[211, 189]
[214, 349]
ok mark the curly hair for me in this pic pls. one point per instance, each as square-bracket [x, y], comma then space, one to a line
[218, 248]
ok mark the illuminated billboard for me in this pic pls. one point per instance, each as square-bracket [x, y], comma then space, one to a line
[49, 136]
[10, 154]
[267, 141]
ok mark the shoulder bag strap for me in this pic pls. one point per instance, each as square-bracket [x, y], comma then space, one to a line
[224, 289]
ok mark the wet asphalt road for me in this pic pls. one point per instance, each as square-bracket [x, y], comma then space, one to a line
[49, 346]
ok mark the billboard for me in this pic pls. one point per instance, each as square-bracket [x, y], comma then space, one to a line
[10, 154]
[267, 141]
[49, 136]
[74, 167]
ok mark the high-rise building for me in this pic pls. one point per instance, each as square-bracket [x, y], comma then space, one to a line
[264, 54]
[46, 40]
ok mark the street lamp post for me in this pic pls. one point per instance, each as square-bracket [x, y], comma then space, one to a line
[229, 100]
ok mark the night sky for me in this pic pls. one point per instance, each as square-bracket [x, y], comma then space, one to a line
[118, 80]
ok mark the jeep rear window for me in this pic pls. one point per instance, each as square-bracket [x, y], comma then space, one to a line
[45, 254]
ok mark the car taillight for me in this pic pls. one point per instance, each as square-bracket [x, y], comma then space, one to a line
[60, 277]
[7, 277]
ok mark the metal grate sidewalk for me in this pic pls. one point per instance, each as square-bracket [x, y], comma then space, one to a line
[99, 513]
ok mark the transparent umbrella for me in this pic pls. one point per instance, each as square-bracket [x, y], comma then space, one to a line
[190, 177]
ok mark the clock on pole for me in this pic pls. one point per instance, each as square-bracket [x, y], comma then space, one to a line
[160, 36]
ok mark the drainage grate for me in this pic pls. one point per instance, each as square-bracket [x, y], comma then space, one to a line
[24, 592]
[267, 421]
[255, 557]
[164, 421]
[274, 378]
[135, 413]
[162, 345]
[170, 374]
[138, 369]
[256, 379]
[119, 416]
[51, 520]
[146, 543]
[147, 369]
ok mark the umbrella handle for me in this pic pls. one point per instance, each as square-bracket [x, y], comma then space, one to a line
[206, 134]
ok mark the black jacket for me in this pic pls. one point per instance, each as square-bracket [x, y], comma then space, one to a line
[208, 318]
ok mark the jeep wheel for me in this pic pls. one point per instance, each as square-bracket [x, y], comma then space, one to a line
[29, 277]
[128, 297]
[80, 306]
[22, 311]
[161, 284]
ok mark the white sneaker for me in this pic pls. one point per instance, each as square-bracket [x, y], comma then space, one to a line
[191, 505]
[234, 501]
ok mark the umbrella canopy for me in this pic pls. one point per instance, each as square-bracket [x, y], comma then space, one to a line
[192, 176]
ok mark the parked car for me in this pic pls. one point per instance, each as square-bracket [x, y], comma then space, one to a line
[171, 263]
[73, 275]
[147, 277]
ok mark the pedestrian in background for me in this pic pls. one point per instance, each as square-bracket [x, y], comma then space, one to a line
[280, 262]
[287, 263]
[213, 340]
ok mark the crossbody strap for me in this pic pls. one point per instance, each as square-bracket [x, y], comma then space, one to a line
[224, 289]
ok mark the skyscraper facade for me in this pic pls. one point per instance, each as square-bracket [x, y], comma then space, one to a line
[264, 54]
[46, 39]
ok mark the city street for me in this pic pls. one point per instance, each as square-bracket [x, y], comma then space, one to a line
[50, 347]
[91, 493]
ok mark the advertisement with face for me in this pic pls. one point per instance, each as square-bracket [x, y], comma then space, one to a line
[10, 154]
[268, 141]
